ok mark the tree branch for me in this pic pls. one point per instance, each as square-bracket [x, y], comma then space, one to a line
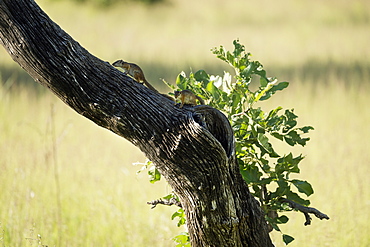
[305, 210]
[191, 147]
[169, 202]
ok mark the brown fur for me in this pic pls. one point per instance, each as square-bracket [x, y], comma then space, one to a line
[187, 97]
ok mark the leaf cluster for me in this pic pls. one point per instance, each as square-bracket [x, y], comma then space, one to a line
[265, 170]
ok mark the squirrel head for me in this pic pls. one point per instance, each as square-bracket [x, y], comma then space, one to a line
[177, 94]
[119, 63]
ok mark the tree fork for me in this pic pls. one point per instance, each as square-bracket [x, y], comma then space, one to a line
[193, 148]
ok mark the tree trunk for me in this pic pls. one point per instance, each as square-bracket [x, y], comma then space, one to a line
[193, 147]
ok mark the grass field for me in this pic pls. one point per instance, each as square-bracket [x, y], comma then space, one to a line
[73, 183]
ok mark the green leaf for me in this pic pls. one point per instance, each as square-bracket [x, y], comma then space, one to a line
[287, 239]
[176, 214]
[182, 240]
[282, 219]
[181, 214]
[272, 222]
[181, 222]
[291, 119]
[274, 112]
[289, 140]
[169, 196]
[213, 90]
[275, 226]
[264, 141]
[257, 189]
[251, 174]
[303, 141]
[296, 198]
[236, 103]
[278, 136]
[306, 129]
[281, 86]
[281, 190]
[303, 186]
[154, 175]
[201, 76]
[287, 164]
[246, 73]
[293, 165]
[238, 48]
[230, 58]
[278, 87]
[266, 145]
[181, 81]
[292, 138]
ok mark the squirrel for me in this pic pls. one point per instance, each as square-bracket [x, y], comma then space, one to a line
[134, 71]
[187, 97]
[137, 73]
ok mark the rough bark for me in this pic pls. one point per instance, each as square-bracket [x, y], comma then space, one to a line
[193, 147]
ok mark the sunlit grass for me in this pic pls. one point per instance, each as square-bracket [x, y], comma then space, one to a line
[337, 163]
[103, 201]
[320, 47]
[183, 31]
[177, 35]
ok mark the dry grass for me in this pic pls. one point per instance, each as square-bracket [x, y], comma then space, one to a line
[337, 163]
[322, 51]
[103, 202]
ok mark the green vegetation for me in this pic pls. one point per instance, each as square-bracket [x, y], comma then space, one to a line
[322, 53]
[267, 172]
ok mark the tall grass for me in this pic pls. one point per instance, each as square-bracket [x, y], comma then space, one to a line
[321, 47]
[103, 201]
[177, 35]
[337, 162]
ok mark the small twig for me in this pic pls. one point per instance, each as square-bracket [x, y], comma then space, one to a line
[169, 202]
[306, 211]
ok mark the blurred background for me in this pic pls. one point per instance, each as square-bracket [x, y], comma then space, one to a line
[66, 182]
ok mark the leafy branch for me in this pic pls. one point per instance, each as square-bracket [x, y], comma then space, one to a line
[267, 172]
